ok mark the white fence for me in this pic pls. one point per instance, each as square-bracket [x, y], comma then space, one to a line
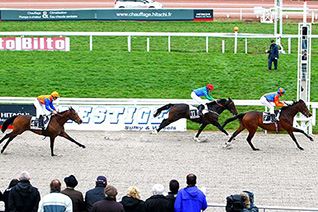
[148, 102]
[129, 35]
[213, 207]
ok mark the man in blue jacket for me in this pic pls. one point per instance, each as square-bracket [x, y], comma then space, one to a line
[190, 199]
[272, 55]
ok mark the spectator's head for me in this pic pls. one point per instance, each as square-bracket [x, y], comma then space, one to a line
[70, 181]
[174, 186]
[272, 41]
[110, 191]
[101, 180]
[158, 189]
[24, 176]
[191, 179]
[55, 185]
[13, 183]
[133, 192]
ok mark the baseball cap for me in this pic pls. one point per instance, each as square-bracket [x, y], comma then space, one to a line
[101, 179]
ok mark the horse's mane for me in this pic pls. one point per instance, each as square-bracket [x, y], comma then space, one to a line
[289, 106]
[70, 108]
[218, 100]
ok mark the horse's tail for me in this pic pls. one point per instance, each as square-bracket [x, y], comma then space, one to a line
[7, 123]
[165, 107]
[239, 116]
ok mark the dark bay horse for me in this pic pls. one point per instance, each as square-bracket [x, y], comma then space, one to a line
[253, 119]
[54, 129]
[215, 108]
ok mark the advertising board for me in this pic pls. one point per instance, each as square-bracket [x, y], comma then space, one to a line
[104, 118]
[35, 43]
[109, 14]
[116, 118]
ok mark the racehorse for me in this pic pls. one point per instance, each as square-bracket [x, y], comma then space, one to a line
[215, 108]
[253, 119]
[54, 129]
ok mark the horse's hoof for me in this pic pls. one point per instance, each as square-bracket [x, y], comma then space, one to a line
[227, 146]
[83, 146]
[300, 148]
[197, 139]
[311, 139]
[154, 132]
[256, 149]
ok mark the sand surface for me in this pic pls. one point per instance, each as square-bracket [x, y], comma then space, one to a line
[279, 174]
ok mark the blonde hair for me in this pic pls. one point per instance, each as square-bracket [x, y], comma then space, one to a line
[133, 191]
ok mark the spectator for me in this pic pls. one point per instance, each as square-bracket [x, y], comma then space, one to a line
[76, 196]
[6, 193]
[174, 188]
[272, 55]
[95, 194]
[132, 201]
[55, 201]
[108, 204]
[190, 199]
[249, 204]
[157, 202]
[24, 197]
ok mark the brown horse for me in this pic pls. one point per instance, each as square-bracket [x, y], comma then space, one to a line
[215, 108]
[253, 119]
[54, 129]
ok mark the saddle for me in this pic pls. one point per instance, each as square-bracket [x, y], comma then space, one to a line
[267, 119]
[194, 111]
[34, 122]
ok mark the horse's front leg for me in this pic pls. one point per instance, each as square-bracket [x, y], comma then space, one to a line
[303, 132]
[196, 138]
[294, 139]
[65, 135]
[52, 138]
[217, 124]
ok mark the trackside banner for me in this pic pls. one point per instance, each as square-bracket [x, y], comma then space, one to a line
[35, 43]
[105, 118]
[109, 14]
[117, 118]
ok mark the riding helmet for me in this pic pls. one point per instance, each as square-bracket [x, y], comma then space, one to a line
[55, 94]
[210, 86]
[281, 90]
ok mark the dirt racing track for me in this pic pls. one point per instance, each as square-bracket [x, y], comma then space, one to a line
[279, 174]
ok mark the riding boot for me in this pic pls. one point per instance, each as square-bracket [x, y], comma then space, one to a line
[274, 119]
[41, 124]
[200, 108]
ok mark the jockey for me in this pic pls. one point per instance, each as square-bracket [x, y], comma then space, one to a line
[205, 91]
[44, 104]
[273, 97]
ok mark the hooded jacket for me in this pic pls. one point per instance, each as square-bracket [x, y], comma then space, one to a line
[190, 199]
[24, 197]
[132, 204]
[94, 195]
[251, 207]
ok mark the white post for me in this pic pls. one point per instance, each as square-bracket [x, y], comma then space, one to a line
[241, 14]
[245, 45]
[305, 12]
[289, 45]
[129, 43]
[235, 43]
[91, 43]
[223, 46]
[169, 42]
[312, 17]
[148, 45]
[207, 45]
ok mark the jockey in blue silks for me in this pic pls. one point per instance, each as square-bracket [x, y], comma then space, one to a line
[205, 91]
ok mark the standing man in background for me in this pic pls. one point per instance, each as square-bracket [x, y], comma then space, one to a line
[272, 55]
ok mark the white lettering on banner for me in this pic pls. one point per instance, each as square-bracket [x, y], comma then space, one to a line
[35, 43]
[115, 118]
